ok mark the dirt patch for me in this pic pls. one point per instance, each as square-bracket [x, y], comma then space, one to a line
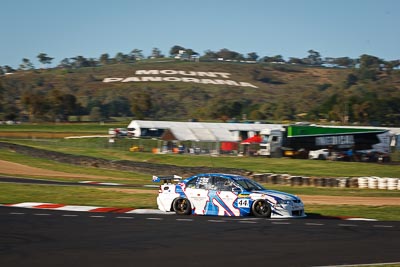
[356, 201]
[131, 191]
[12, 168]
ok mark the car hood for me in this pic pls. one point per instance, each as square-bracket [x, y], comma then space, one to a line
[278, 195]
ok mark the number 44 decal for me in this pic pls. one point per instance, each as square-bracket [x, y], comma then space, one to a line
[243, 203]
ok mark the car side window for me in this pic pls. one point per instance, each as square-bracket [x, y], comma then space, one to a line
[223, 184]
[191, 183]
[203, 182]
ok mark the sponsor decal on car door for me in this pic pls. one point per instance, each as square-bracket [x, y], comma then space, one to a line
[224, 201]
[198, 198]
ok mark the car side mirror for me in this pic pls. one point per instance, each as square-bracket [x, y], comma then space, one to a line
[236, 190]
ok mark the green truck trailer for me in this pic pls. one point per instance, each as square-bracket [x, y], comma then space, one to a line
[312, 141]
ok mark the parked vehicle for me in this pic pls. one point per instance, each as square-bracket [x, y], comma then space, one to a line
[118, 132]
[319, 154]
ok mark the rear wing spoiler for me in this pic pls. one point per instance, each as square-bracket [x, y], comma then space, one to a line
[167, 179]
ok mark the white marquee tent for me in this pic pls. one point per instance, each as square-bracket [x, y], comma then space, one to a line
[200, 131]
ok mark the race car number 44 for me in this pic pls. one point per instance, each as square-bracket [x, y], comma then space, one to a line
[243, 203]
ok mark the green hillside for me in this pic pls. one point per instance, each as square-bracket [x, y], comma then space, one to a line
[181, 90]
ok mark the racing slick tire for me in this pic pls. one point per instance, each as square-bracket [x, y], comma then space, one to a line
[261, 208]
[182, 206]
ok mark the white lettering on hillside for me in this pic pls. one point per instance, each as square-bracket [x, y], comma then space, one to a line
[154, 76]
[184, 73]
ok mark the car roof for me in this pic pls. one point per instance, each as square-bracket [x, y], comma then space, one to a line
[225, 175]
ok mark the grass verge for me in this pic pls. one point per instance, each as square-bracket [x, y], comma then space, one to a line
[78, 195]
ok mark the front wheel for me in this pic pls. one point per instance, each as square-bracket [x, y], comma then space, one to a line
[261, 208]
[182, 206]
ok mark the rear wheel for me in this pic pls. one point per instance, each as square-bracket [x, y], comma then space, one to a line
[261, 208]
[182, 206]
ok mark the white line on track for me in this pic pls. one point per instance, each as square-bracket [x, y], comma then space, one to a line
[347, 225]
[247, 222]
[124, 217]
[248, 219]
[216, 221]
[315, 224]
[17, 213]
[97, 216]
[70, 215]
[184, 220]
[359, 265]
[155, 219]
[383, 226]
[280, 222]
[42, 214]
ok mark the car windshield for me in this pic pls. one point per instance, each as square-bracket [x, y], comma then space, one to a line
[249, 185]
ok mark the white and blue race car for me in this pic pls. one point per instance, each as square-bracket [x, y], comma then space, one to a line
[224, 195]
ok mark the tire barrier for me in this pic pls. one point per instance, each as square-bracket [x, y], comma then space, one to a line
[382, 183]
[363, 182]
[373, 182]
[367, 182]
[343, 182]
[393, 184]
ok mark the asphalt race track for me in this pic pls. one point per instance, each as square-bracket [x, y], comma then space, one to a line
[32, 237]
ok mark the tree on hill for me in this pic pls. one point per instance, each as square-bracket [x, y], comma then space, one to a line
[36, 105]
[121, 58]
[252, 56]
[370, 62]
[44, 58]
[10, 112]
[314, 58]
[95, 114]
[141, 105]
[8, 69]
[344, 62]
[26, 65]
[137, 54]
[390, 65]
[185, 53]
[209, 55]
[175, 50]
[273, 59]
[351, 79]
[191, 53]
[104, 59]
[295, 60]
[63, 105]
[118, 107]
[227, 54]
[65, 63]
[156, 53]
[81, 62]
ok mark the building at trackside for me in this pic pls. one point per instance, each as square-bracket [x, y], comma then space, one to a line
[197, 131]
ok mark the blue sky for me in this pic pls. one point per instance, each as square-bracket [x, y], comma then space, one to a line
[89, 28]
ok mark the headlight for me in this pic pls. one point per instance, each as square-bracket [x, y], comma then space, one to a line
[284, 202]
